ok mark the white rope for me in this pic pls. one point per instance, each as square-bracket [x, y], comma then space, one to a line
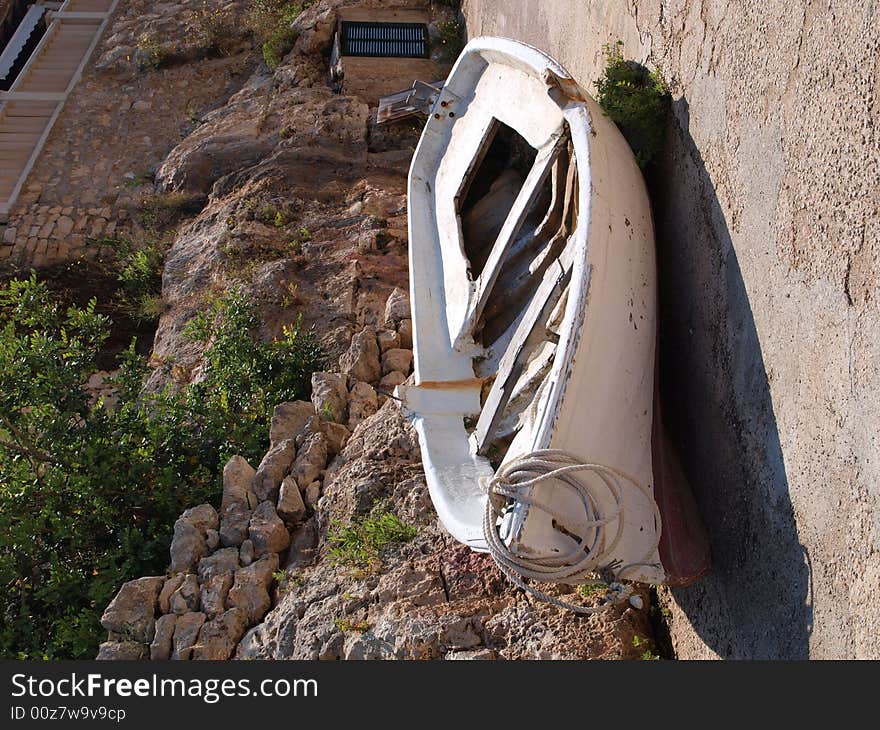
[518, 479]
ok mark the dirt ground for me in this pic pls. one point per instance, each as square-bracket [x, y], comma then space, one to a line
[768, 212]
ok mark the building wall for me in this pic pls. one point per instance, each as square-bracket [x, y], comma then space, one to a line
[767, 227]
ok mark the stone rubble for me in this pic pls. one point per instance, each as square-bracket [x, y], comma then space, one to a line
[219, 588]
[432, 599]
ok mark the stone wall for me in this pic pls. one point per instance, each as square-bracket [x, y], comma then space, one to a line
[39, 235]
[224, 565]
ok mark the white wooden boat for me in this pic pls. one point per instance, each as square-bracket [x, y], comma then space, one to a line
[533, 292]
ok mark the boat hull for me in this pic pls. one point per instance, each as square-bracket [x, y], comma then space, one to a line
[595, 398]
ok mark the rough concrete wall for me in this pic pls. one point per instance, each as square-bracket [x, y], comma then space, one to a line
[768, 212]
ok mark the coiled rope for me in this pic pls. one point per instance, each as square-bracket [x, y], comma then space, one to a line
[517, 480]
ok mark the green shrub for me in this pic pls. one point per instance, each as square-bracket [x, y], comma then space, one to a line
[214, 28]
[348, 626]
[647, 654]
[452, 40]
[245, 376]
[359, 545]
[270, 21]
[140, 278]
[637, 100]
[151, 54]
[89, 495]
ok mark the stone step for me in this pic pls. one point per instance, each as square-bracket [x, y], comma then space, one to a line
[22, 124]
[23, 137]
[40, 110]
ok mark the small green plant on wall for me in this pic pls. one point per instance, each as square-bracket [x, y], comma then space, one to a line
[359, 545]
[452, 40]
[638, 101]
[151, 54]
[270, 22]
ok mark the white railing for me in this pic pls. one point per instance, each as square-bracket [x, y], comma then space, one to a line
[16, 45]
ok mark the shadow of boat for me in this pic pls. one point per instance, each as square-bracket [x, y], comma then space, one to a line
[756, 602]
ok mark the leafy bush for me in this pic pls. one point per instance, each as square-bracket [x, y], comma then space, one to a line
[270, 21]
[242, 375]
[141, 283]
[151, 53]
[452, 40]
[359, 545]
[88, 494]
[637, 100]
[215, 28]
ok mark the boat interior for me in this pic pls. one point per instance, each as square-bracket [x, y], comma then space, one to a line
[518, 328]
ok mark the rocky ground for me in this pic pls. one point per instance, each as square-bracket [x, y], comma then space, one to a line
[305, 206]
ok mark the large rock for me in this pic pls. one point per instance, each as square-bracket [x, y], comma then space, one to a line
[186, 632]
[337, 436]
[273, 468]
[311, 460]
[303, 542]
[361, 361]
[188, 546]
[233, 528]
[362, 403]
[168, 589]
[111, 651]
[246, 553]
[251, 589]
[212, 151]
[314, 425]
[311, 494]
[132, 613]
[388, 340]
[290, 503]
[397, 359]
[267, 532]
[288, 420]
[391, 381]
[189, 543]
[238, 477]
[160, 649]
[237, 502]
[330, 396]
[203, 517]
[186, 598]
[314, 29]
[223, 561]
[219, 637]
[213, 593]
[397, 307]
[252, 645]
[404, 329]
